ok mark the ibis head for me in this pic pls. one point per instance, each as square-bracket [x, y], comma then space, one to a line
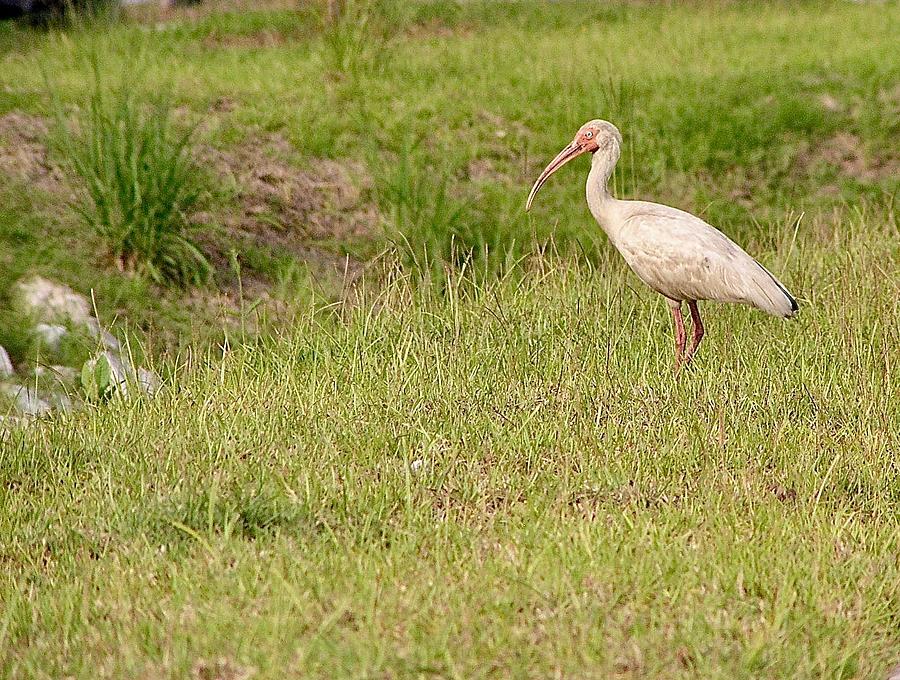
[593, 136]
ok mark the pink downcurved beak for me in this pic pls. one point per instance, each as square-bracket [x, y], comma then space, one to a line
[571, 151]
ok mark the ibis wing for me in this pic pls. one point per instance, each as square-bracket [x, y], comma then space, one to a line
[684, 258]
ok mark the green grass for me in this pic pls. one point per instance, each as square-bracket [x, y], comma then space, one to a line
[576, 509]
[483, 465]
[721, 108]
[141, 180]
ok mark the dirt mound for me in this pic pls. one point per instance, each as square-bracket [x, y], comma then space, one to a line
[289, 206]
[845, 153]
[284, 205]
[23, 152]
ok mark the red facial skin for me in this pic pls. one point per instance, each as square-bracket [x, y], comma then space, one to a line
[587, 138]
[585, 142]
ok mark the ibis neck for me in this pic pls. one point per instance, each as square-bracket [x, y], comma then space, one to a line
[599, 198]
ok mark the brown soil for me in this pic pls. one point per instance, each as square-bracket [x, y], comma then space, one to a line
[220, 669]
[436, 29]
[845, 153]
[286, 206]
[224, 104]
[23, 152]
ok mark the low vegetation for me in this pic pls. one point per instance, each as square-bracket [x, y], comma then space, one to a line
[491, 479]
[141, 180]
[407, 429]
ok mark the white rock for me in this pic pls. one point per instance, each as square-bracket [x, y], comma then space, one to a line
[6, 367]
[63, 374]
[51, 301]
[61, 402]
[50, 334]
[118, 373]
[123, 376]
[108, 339]
[27, 401]
[416, 465]
[149, 381]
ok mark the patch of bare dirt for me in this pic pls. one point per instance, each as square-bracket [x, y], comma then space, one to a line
[845, 152]
[224, 104]
[830, 103]
[435, 28]
[220, 669]
[23, 152]
[482, 170]
[285, 205]
[784, 494]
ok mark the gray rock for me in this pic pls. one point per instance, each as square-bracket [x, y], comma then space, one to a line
[118, 373]
[53, 302]
[27, 400]
[50, 334]
[108, 339]
[6, 367]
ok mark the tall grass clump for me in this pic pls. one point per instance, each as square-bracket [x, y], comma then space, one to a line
[356, 33]
[346, 35]
[140, 181]
[430, 227]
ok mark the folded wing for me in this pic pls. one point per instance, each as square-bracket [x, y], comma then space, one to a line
[684, 258]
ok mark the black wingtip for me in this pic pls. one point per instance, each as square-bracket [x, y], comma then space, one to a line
[795, 307]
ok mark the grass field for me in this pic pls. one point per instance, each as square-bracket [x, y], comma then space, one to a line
[478, 462]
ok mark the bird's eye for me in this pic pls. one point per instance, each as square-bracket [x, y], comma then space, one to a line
[589, 134]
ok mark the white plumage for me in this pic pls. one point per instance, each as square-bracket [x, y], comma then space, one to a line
[675, 253]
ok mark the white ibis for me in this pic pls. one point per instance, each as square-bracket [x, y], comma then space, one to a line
[678, 255]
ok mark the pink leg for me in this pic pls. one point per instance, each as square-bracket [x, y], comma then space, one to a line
[699, 331]
[679, 332]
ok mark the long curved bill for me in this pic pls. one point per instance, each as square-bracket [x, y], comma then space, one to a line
[571, 151]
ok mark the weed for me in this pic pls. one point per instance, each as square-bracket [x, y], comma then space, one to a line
[427, 225]
[140, 181]
[350, 43]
